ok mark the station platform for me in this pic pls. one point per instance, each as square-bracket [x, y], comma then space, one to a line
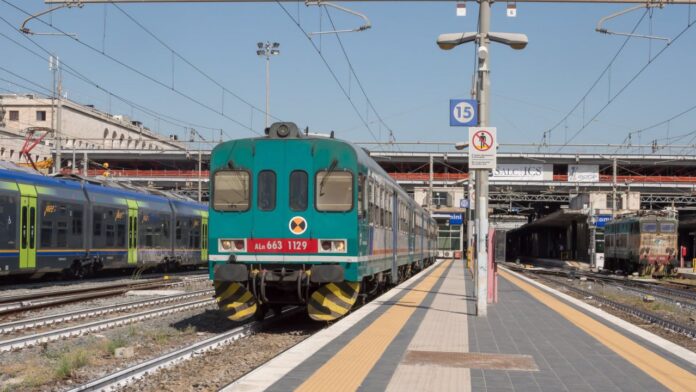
[423, 336]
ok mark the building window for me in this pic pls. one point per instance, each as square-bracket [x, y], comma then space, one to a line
[441, 199]
[14, 115]
[40, 115]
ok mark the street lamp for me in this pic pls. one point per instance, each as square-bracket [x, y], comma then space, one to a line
[483, 37]
[267, 50]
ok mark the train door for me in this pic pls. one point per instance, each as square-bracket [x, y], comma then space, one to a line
[27, 227]
[204, 237]
[132, 232]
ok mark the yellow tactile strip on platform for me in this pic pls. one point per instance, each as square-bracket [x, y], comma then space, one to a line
[661, 369]
[349, 367]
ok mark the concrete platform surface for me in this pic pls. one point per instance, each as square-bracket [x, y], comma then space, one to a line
[424, 336]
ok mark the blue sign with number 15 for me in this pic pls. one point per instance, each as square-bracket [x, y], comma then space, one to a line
[463, 112]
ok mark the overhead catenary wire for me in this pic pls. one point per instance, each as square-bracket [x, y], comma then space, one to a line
[627, 84]
[595, 83]
[331, 71]
[357, 79]
[190, 63]
[139, 72]
[75, 73]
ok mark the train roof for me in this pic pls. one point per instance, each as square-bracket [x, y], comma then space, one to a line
[12, 172]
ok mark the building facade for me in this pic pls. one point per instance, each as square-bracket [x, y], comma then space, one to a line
[81, 127]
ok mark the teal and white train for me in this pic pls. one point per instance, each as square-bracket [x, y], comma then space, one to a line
[307, 220]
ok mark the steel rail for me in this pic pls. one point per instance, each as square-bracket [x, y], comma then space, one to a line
[81, 329]
[641, 314]
[93, 312]
[123, 377]
[57, 293]
[38, 300]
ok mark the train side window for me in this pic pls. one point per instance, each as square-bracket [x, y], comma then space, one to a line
[76, 222]
[334, 191]
[266, 197]
[667, 227]
[298, 190]
[231, 190]
[120, 234]
[8, 222]
[361, 196]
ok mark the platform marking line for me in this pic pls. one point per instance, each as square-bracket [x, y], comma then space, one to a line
[661, 369]
[274, 370]
[672, 348]
[350, 366]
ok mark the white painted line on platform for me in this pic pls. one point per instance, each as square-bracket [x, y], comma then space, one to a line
[677, 350]
[277, 368]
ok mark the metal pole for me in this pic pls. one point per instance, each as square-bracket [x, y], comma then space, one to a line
[482, 174]
[59, 120]
[430, 184]
[470, 225]
[613, 189]
[200, 172]
[268, 82]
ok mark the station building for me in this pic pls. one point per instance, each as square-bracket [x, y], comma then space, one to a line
[82, 127]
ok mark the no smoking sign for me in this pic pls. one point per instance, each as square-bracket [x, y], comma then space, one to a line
[482, 148]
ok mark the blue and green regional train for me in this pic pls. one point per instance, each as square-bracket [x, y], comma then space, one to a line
[308, 220]
[79, 226]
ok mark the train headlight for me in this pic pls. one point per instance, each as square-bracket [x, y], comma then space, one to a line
[332, 246]
[232, 245]
[339, 246]
[283, 130]
[326, 246]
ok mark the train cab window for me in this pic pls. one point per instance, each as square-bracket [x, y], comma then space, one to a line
[649, 227]
[667, 227]
[334, 191]
[266, 198]
[298, 190]
[232, 189]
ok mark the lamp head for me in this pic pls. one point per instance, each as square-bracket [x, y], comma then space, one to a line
[461, 145]
[450, 40]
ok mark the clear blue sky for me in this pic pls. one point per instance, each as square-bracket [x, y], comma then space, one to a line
[407, 77]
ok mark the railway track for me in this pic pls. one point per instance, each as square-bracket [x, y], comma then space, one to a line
[641, 314]
[22, 303]
[98, 325]
[126, 376]
[51, 320]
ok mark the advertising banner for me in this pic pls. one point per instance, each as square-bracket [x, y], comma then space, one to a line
[583, 173]
[523, 172]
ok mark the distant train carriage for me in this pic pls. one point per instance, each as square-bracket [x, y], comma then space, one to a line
[645, 243]
[314, 221]
[53, 224]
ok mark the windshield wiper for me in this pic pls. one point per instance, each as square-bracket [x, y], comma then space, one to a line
[331, 169]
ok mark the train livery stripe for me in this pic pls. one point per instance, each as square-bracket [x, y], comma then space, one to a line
[656, 366]
[332, 300]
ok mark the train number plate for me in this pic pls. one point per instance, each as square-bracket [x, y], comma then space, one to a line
[282, 245]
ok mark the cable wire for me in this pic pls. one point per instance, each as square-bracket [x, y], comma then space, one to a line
[137, 71]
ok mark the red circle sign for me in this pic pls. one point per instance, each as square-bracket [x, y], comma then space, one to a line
[482, 140]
